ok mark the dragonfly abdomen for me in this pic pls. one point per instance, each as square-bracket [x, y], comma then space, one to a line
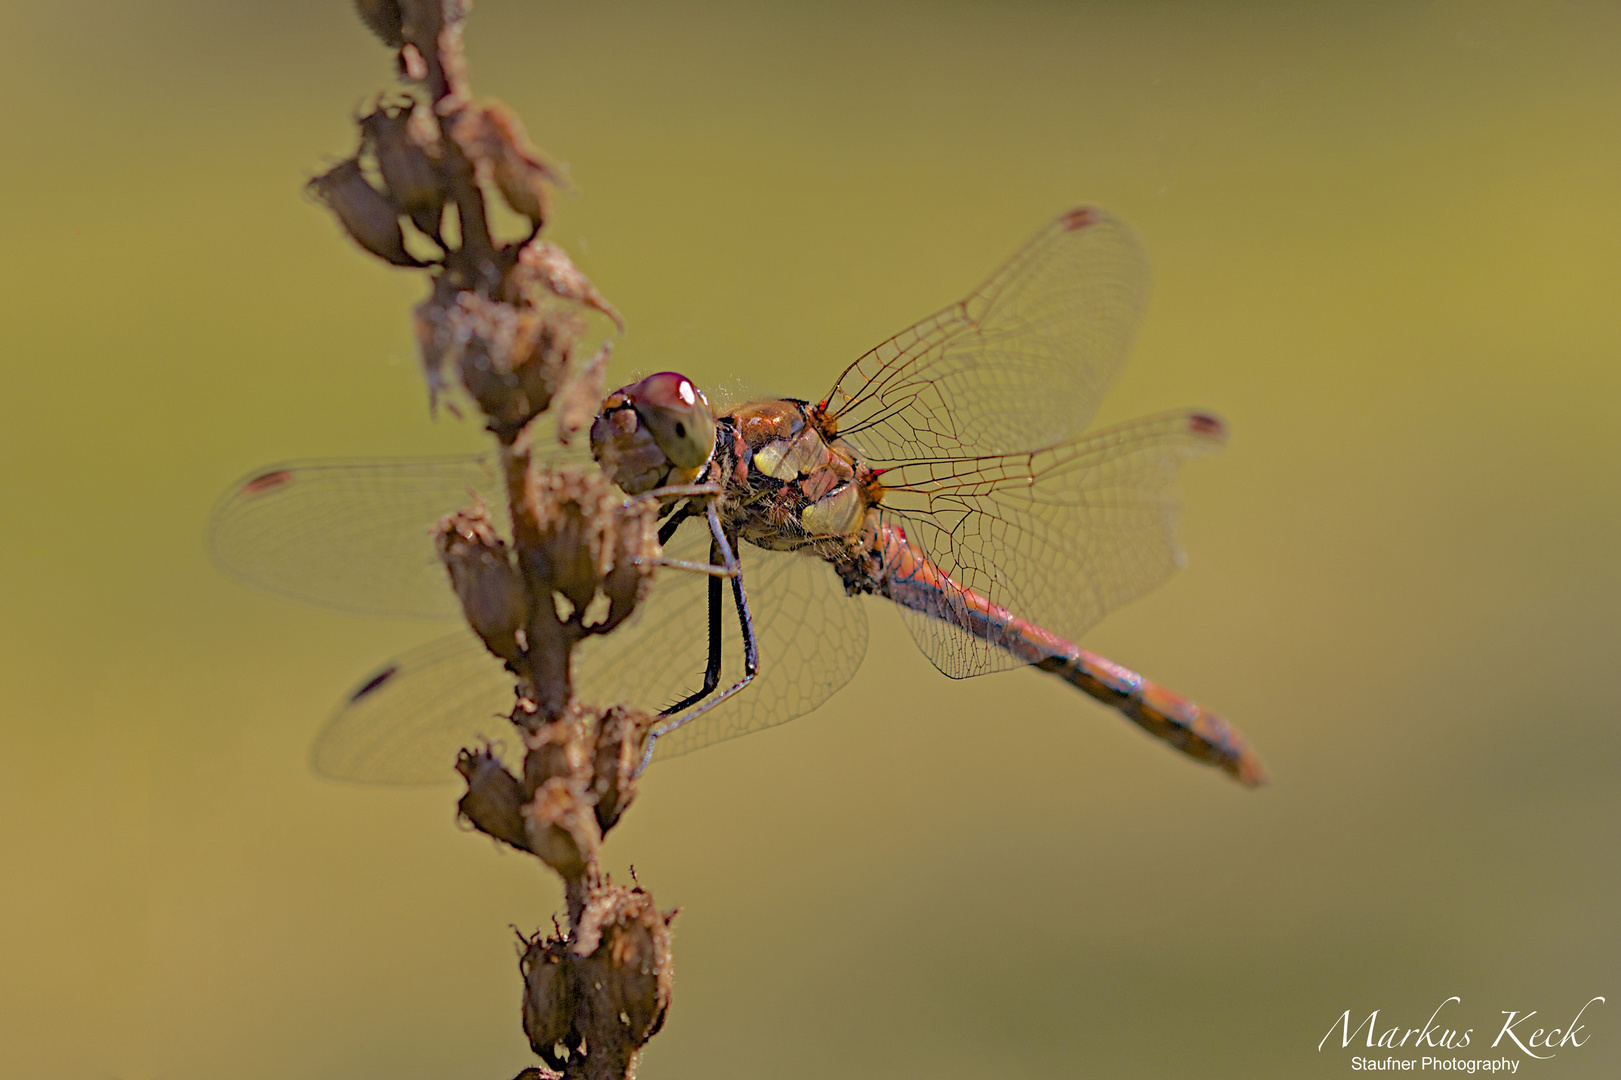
[1186, 725]
[912, 580]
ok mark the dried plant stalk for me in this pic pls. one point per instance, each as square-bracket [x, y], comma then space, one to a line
[500, 329]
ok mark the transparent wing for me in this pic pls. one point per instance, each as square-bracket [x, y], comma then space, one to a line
[811, 640]
[350, 534]
[1059, 536]
[357, 533]
[1020, 363]
[404, 724]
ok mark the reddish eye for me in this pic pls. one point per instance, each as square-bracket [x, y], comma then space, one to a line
[666, 390]
[677, 415]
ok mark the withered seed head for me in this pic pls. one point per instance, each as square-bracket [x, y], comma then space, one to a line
[576, 403]
[584, 540]
[431, 326]
[511, 361]
[481, 571]
[366, 213]
[623, 973]
[636, 554]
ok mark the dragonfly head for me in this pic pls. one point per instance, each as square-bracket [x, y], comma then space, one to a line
[657, 431]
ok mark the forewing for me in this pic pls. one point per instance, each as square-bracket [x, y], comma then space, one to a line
[1059, 537]
[1020, 363]
[351, 534]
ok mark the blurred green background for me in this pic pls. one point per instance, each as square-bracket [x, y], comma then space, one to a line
[1387, 247]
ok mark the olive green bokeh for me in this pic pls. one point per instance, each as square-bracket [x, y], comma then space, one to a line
[1387, 246]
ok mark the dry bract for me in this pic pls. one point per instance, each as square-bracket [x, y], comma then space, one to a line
[576, 404]
[511, 361]
[542, 265]
[625, 972]
[578, 538]
[493, 139]
[548, 999]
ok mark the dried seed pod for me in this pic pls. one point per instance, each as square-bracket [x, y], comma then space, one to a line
[635, 559]
[561, 829]
[494, 801]
[488, 585]
[493, 139]
[364, 212]
[571, 513]
[620, 738]
[384, 19]
[543, 265]
[511, 361]
[548, 999]
[543, 350]
[586, 541]
[624, 974]
[577, 543]
[413, 179]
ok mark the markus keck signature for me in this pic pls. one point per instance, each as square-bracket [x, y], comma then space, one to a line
[1528, 1032]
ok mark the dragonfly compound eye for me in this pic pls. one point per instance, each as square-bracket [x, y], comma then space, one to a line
[677, 415]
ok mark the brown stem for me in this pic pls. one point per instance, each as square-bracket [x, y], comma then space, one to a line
[575, 892]
[597, 991]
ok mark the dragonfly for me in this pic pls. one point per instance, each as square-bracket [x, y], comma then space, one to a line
[949, 472]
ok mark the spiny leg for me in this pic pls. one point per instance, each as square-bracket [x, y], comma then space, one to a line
[712, 670]
[751, 650]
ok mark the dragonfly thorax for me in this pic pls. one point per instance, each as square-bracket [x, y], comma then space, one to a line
[788, 486]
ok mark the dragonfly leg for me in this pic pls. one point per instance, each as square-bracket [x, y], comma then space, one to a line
[715, 570]
[723, 552]
[672, 491]
[716, 566]
[712, 670]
